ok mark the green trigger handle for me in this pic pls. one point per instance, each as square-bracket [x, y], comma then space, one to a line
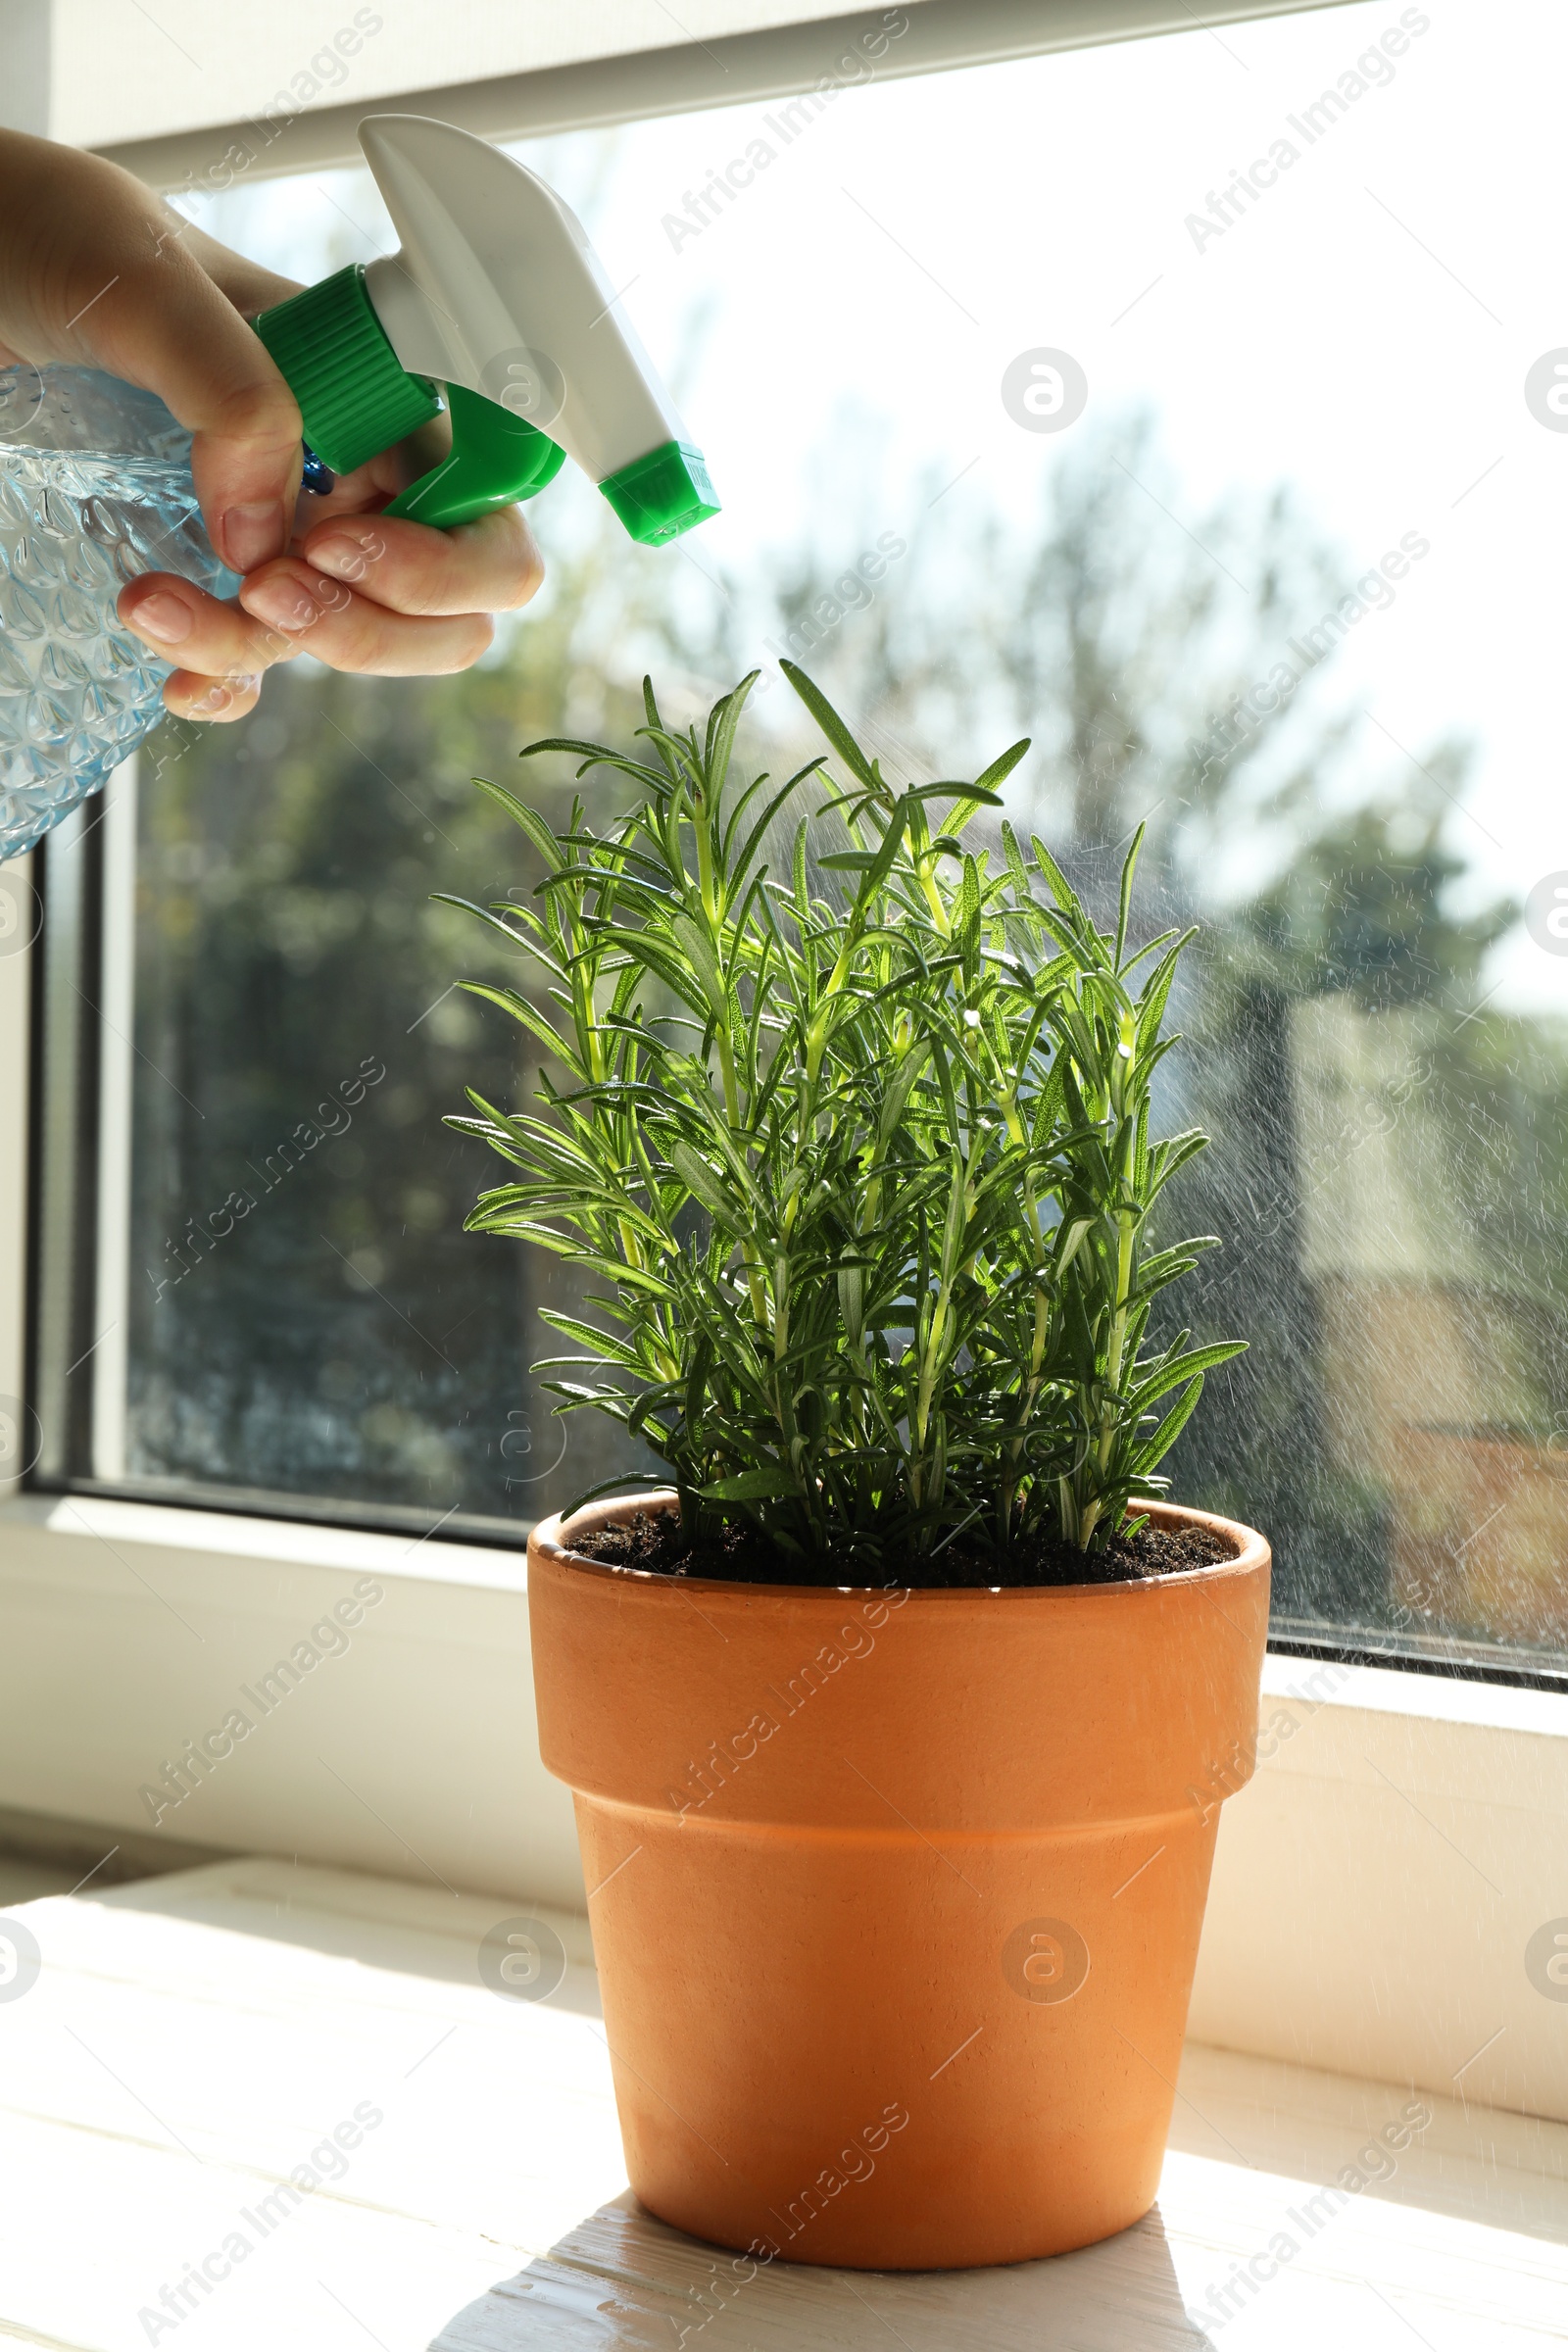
[355, 399]
[496, 459]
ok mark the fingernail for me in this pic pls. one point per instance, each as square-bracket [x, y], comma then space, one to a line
[221, 695]
[283, 603]
[346, 557]
[167, 618]
[252, 534]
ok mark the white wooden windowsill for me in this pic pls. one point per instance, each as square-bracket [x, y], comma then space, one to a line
[192, 2039]
[230, 1536]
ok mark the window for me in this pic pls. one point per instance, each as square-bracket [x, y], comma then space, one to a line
[1188, 418]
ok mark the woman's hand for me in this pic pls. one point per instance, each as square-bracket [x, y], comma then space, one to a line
[97, 271]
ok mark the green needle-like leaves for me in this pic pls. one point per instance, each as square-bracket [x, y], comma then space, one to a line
[855, 1150]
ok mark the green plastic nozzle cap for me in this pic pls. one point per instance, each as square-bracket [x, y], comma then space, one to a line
[662, 494]
[356, 398]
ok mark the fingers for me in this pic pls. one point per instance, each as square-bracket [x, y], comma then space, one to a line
[328, 618]
[491, 565]
[217, 700]
[186, 342]
[286, 608]
[406, 609]
[223, 651]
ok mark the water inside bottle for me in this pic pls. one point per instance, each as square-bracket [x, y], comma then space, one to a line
[95, 487]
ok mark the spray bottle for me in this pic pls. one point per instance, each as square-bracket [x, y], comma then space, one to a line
[495, 308]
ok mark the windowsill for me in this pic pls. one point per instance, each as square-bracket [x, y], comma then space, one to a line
[353, 1987]
[1431, 1697]
[295, 1543]
[224, 1535]
[1385, 1804]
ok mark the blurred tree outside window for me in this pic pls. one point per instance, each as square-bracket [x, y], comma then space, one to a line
[1391, 1172]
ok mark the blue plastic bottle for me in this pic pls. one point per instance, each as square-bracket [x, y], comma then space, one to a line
[95, 487]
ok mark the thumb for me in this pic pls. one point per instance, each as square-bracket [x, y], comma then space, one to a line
[167, 327]
[96, 272]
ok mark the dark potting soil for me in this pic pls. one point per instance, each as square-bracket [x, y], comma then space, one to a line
[652, 1539]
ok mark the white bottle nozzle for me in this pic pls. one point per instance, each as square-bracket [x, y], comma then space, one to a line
[498, 290]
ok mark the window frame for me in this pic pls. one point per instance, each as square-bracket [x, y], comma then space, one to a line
[685, 75]
[67, 1561]
[587, 91]
[593, 90]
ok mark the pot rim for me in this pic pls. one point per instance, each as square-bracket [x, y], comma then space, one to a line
[1253, 1551]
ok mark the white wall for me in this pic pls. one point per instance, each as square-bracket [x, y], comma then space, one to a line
[1377, 1883]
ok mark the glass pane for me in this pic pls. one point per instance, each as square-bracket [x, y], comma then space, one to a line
[1155, 402]
[310, 1318]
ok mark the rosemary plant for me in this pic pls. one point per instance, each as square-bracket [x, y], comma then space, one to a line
[857, 1151]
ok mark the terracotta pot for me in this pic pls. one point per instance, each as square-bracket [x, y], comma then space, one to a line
[896, 1897]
